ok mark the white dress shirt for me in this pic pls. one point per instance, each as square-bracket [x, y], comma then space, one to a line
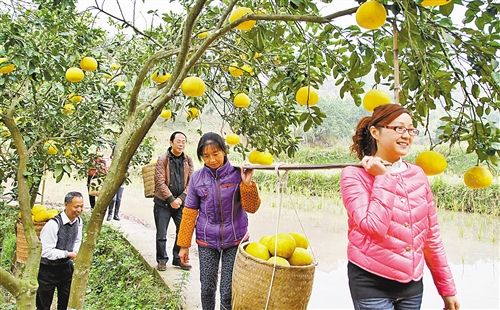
[48, 237]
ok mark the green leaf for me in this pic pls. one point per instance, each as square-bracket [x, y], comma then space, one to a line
[446, 9]
[475, 91]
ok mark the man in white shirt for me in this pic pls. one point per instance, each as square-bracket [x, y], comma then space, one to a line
[61, 238]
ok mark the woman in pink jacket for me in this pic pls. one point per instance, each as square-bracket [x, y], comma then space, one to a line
[392, 218]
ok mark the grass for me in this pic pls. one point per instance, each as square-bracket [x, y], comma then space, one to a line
[119, 278]
[447, 195]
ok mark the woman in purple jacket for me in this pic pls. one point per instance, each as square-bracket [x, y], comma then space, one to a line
[217, 203]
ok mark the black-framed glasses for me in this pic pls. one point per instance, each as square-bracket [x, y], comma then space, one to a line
[401, 130]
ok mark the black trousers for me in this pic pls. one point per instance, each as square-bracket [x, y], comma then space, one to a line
[162, 219]
[52, 277]
[91, 198]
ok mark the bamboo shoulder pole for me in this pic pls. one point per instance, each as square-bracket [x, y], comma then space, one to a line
[299, 166]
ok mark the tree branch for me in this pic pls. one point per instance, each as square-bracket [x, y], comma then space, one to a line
[11, 283]
[126, 23]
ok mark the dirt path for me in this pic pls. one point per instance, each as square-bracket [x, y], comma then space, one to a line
[471, 242]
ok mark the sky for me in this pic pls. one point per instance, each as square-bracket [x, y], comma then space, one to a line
[143, 19]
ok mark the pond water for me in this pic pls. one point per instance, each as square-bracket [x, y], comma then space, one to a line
[471, 242]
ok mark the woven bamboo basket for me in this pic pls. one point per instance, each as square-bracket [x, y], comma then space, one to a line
[148, 178]
[290, 289]
[21, 243]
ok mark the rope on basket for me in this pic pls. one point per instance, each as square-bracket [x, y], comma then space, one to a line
[281, 185]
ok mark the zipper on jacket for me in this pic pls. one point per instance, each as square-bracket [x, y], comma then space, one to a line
[217, 179]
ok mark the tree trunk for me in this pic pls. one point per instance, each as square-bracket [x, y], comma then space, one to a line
[27, 298]
[127, 144]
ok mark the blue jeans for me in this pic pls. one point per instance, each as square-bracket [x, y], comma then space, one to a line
[383, 303]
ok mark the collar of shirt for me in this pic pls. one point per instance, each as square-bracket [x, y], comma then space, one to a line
[65, 219]
[397, 166]
[172, 154]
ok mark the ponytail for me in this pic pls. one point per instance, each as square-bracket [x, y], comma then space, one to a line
[363, 142]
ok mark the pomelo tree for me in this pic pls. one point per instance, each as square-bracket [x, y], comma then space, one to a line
[49, 124]
[291, 45]
[283, 46]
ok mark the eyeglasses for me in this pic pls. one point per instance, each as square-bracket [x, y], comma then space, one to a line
[401, 130]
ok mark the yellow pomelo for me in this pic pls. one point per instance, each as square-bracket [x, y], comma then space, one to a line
[257, 55]
[301, 257]
[232, 139]
[300, 240]
[50, 147]
[88, 64]
[282, 245]
[193, 86]
[239, 13]
[75, 98]
[307, 95]
[374, 98]
[265, 158]
[160, 78]
[51, 213]
[120, 84]
[478, 177]
[235, 70]
[202, 35]
[241, 100]
[431, 162]
[68, 109]
[67, 153]
[265, 240]
[8, 68]
[247, 68]
[193, 112]
[253, 157]
[37, 208]
[258, 250]
[166, 114]
[371, 15]
[279, 261]
[428, 3]
[115, 66]
[42, 216]
[107, 76]
[74, 74]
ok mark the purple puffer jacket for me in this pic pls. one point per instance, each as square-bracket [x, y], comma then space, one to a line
[222, 222]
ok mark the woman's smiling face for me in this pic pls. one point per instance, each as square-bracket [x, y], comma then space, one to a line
[391, 146]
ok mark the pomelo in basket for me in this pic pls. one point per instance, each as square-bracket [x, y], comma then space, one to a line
[281, 245]
[280, 261]
[258, 250]
[301, 257]
[300, 240]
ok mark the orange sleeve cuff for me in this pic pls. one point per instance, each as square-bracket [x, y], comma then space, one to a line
[250, 200]
[188, 223]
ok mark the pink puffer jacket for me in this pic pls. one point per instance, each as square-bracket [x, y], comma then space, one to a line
[393, 226]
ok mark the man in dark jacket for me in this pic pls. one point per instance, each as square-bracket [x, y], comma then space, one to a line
[61, 238]
[172, 174]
